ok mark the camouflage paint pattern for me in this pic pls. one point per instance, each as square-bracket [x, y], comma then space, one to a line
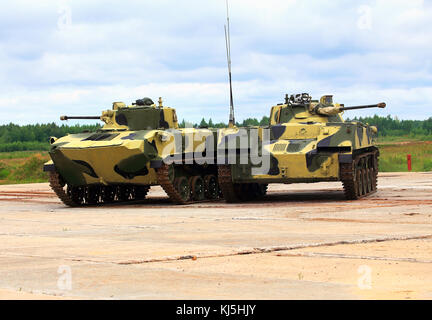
[303, 145]
[132, 144]
[307, 144]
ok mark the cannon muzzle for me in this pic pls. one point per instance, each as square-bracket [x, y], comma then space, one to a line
[379, 105]
[62, 118]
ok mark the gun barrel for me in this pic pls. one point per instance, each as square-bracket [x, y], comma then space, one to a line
[378, 105]
[62, 118]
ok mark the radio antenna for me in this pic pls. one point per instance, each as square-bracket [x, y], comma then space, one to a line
[228, 50]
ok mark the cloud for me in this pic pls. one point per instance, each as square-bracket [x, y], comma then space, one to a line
[113, 51]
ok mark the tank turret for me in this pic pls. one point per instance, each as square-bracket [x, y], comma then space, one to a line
[299, 107]
[143, 114]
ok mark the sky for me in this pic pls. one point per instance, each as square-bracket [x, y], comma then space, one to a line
[77, 57]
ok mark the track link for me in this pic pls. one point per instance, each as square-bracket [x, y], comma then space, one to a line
[94, 195]
[167, 183]
[360, 177]
[57, 185]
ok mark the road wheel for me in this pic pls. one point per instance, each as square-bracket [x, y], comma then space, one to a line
[197, 188]
[76, 194]
[183, 188]
[92, 194]
[107, 194]
[211, 187]
[359, 179]
[123, 193]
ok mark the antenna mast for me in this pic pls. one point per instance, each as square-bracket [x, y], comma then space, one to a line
[228, 50]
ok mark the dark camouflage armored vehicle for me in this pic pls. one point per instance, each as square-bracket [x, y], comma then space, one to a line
[307, 141]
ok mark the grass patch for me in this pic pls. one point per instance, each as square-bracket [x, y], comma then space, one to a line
[19, 154]
[23, 167]
[24, 146]
[393, 157]
[405, 138]
[4, 173]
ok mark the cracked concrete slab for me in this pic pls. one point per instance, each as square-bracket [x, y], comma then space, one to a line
[303, 241]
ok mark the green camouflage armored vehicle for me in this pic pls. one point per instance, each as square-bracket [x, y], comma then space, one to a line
[139, 146]
[307, 141]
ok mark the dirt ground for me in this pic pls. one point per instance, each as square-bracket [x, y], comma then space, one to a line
[303, 241]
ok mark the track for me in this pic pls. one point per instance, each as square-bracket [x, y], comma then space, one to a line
[95, 194]
[195, 185]
[57, 185]
[167, 183]
[360, 178]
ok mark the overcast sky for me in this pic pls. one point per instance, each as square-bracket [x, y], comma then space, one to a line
[77, 57]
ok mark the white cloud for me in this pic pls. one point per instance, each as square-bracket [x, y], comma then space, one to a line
[122, 51]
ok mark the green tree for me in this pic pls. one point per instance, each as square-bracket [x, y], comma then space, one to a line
[203, 123]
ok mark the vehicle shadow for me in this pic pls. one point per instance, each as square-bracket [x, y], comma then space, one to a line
[316, 196]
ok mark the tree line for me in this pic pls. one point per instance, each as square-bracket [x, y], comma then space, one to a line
[392, 126]
[14, 137]
[387, 126]
[265, 121]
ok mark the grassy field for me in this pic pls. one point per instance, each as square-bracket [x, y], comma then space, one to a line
[22, 167]
[393, 156]
[26, 166]
[395, 139]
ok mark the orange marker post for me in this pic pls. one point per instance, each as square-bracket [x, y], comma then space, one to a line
[409, 162]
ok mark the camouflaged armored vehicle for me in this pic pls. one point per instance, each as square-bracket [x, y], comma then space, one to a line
[139, 146]
[307, 141]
